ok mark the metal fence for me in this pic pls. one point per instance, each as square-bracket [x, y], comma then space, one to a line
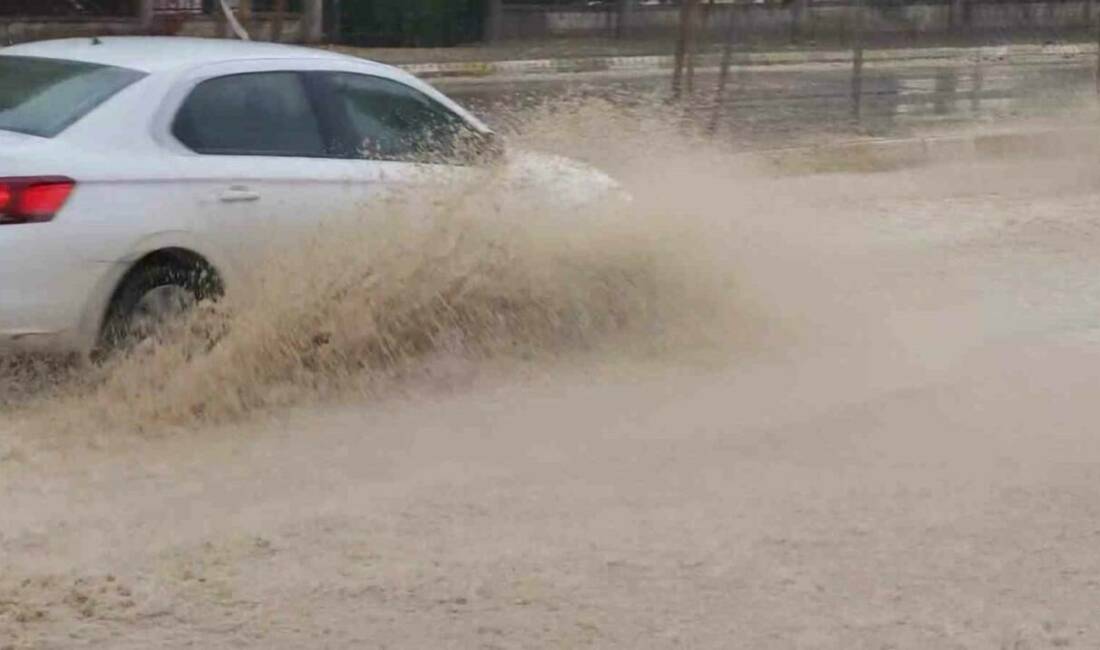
[178, 6]
[64, 8]
[256, 6]
[126, 8]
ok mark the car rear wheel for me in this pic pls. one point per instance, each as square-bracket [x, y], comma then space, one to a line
[151, 298]
[159, 306]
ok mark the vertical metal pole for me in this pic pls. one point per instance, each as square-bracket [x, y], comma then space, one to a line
[727, 63]
[692, 44]
[681, 49]
[798, 11]
[336, 22]
[146, 12]
[956, 16]
[244, 15]
[277, 20]
[493, 21]
[1098, 54]
[313, 21]
[857, 60]
[977, 86]
[626, 13]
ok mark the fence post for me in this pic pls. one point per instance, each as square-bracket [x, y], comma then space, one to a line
[681, 51]
[724, 75]
[798, 12]
[857, 59]
[277, 20]
[685, 52]
[626, 13]
[244, 14]
[313, 15]
[221, 22]
[960, 16]
[692, 46]
[145, 15]
[494, 17]
[977, 85]
[333, 22]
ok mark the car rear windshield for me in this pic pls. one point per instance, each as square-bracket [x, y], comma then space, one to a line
[45, 96]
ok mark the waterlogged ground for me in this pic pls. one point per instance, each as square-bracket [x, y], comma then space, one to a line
[891, 445]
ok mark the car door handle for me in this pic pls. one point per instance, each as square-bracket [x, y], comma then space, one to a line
[239, 194]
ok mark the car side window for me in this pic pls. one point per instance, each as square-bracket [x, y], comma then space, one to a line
[388, 120]
[252, 114]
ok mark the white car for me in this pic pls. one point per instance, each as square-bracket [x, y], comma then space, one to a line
[139, 172]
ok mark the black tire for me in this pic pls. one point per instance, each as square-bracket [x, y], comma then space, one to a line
[118, 332]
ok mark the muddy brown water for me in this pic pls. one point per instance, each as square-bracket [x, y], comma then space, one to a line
[891, 444]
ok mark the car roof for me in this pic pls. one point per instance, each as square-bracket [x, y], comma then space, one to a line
[163, 53]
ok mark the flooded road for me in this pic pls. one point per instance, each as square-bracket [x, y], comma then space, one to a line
[890, 444]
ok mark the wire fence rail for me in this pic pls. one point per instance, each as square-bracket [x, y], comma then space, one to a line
[27, 9]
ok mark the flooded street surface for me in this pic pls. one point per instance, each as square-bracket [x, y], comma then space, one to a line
[895, 448]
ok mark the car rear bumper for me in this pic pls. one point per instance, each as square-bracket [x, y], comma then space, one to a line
[50, 295]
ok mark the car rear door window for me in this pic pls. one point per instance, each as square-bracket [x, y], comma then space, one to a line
[387, 120]
[254, 114]
[43, 97]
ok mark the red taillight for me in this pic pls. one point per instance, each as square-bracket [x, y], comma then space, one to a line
[44, 199]
[33, 199]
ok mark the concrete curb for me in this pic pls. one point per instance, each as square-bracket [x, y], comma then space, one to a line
[909, 152]
[481, 69]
